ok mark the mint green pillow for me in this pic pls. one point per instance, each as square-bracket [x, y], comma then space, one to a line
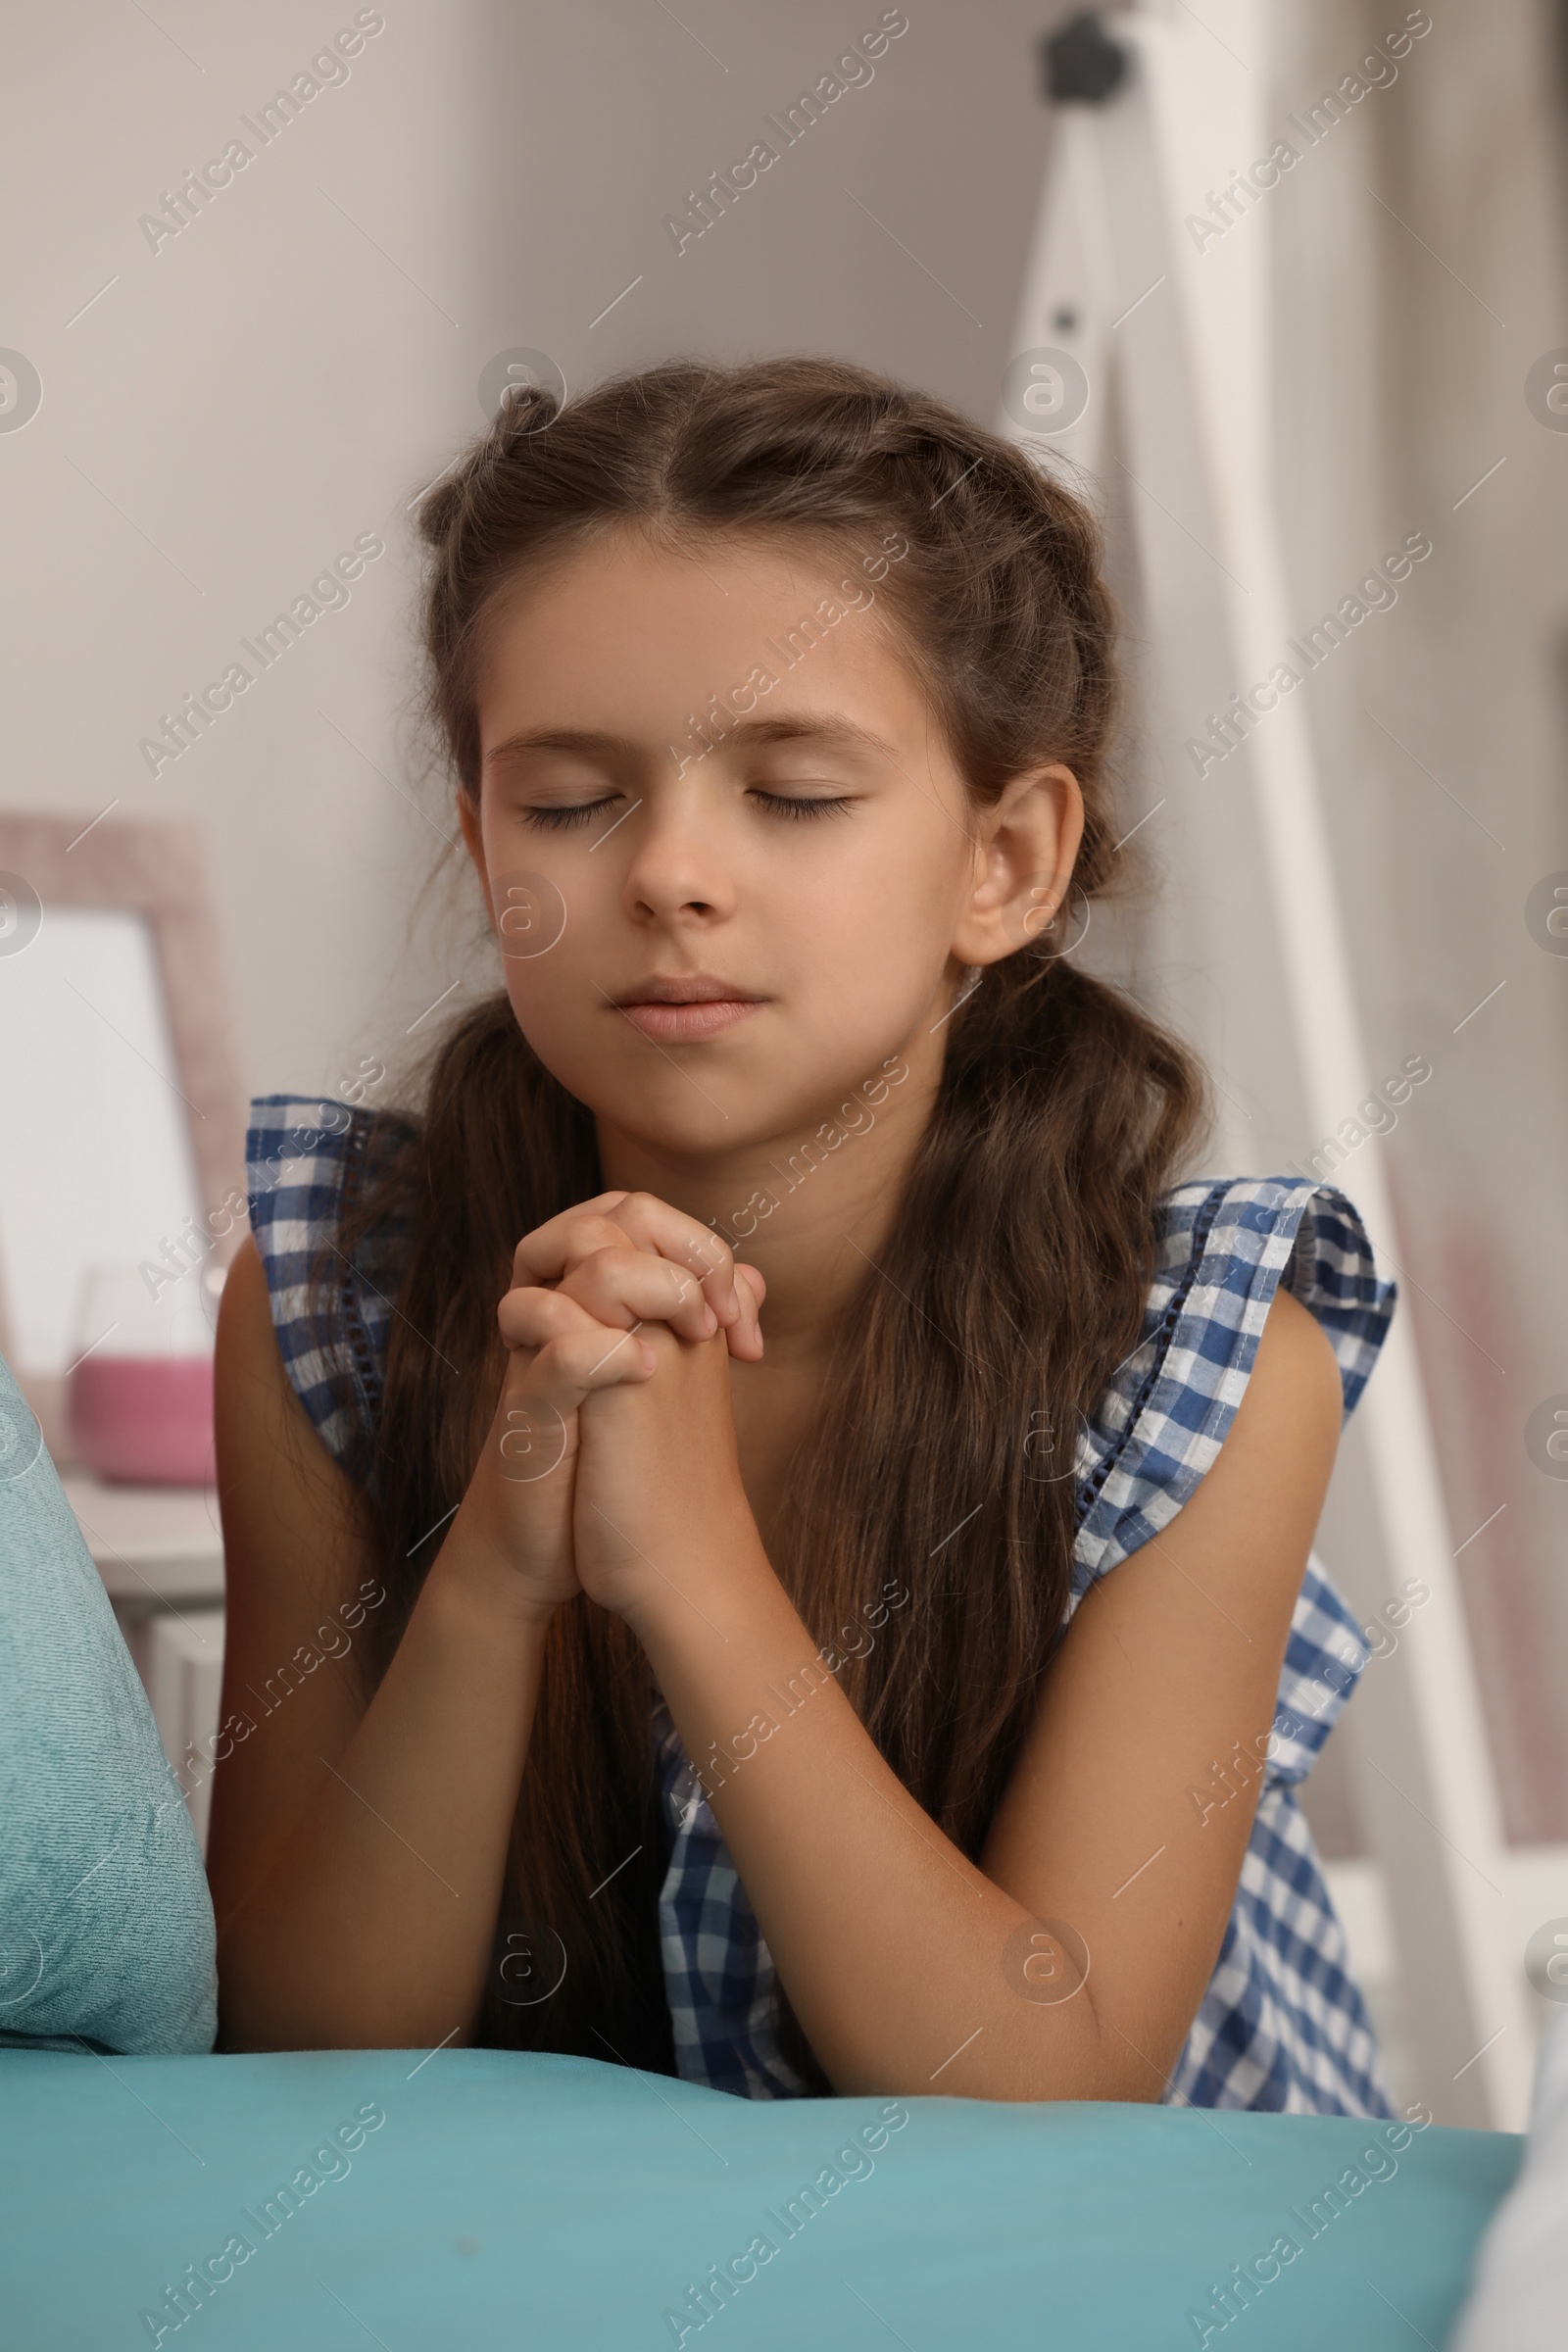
[106, 1924]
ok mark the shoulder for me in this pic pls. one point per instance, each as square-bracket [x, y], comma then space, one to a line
[300, 1152]
[1287, 1426]
[258, 1409]
[1226, 1251]
[309, 1163]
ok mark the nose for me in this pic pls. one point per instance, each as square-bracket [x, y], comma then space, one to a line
[678, 862]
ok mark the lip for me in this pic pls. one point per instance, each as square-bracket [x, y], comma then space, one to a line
[682, 1008]
[687, 988]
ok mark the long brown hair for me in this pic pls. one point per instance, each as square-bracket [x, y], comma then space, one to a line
[1016, 1273]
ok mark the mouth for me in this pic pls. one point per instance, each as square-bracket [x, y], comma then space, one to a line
[688, 1008]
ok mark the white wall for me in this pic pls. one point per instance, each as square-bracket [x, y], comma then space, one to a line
[284, 375]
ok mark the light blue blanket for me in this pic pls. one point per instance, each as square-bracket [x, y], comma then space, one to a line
[477, 2199]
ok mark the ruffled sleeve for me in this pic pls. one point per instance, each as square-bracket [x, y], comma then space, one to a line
[1226, 1248]
[304, 1157]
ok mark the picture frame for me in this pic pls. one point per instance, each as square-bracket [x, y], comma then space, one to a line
[156, 868]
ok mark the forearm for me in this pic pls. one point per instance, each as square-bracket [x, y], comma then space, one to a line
[902, 1960]
[370, 1921]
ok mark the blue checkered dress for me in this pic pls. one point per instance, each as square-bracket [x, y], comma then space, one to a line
[1283, 2024]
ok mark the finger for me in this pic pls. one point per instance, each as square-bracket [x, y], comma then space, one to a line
[549, 1254]
[686, 1242]
[576, 1356]
[627, 1285]
[746, 1336]
[553, 1248]
[531, 1318]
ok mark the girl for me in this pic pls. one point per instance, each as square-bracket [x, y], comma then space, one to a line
[739, 1684]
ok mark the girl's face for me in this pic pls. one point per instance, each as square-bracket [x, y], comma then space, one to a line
[719, 775]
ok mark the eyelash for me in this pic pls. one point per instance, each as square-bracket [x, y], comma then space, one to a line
[557, 819]
[793, 809]
[782, 805]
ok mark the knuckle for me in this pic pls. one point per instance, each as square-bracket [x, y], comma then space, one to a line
[599, 1277]
[561, 1357]
[527, 1308]
[705, 1254]
[580, 1238]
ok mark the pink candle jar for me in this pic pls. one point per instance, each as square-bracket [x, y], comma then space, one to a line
[140, 1392]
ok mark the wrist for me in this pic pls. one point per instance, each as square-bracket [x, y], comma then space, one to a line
[472, 1578]
[720, 1587]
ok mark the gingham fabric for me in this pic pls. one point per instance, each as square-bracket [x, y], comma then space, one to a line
[1283, 2024]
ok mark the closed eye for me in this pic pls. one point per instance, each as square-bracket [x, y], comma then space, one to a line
[792, 805]
[576, 814]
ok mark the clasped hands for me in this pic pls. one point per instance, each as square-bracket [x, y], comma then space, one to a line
[614, 1444]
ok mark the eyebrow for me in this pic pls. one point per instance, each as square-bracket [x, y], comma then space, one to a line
[811, 727]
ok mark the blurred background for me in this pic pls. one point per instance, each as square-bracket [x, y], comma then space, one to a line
[213, 390]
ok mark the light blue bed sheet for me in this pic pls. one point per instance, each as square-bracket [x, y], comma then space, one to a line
[535, 2202]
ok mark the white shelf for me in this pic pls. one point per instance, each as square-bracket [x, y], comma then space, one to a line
[183, 1671]
[154, 1547]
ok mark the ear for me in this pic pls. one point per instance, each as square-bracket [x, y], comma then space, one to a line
[1025, 850]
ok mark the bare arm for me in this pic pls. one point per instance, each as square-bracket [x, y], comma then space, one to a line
[1170, 1662]
[358, 1843]
[902, 1957]
[357, 1849]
